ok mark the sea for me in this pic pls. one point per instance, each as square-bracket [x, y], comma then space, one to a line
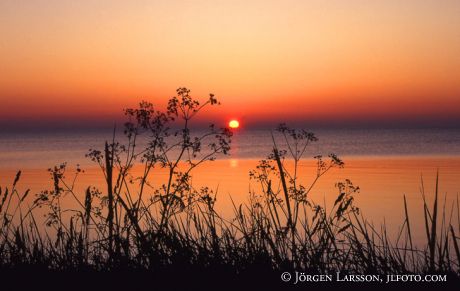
[386, 164]
[44, 149]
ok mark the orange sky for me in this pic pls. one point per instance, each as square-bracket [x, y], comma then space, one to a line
[264, 60]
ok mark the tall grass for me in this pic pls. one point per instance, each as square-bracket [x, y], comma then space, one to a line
[148, 223]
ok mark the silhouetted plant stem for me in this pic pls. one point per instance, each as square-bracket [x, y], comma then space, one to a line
[432, 241]
[109, 168]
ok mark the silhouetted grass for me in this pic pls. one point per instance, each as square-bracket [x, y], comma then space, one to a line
[161, 227]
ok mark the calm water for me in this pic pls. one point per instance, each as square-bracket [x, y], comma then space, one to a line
[386, 164]
[42, 150]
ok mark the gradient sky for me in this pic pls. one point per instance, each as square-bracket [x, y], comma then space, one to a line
[374, 61]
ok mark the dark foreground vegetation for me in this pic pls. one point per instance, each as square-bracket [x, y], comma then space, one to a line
[159, 230]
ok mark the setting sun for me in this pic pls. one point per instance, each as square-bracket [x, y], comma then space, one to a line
[337, 101]
[234, 124]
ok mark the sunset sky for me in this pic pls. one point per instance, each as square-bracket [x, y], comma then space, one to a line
[324, 61]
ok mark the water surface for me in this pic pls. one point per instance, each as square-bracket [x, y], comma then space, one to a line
[385, 164]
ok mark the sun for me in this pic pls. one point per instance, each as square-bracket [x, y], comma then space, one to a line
[234, 124]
